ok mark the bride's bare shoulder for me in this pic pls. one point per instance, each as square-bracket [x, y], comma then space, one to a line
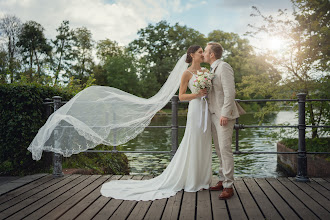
[187, 73]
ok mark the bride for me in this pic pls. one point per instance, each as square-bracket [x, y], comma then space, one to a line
[109, 116]
[190, 168]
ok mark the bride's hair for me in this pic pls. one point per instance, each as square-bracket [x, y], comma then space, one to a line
[191, 49]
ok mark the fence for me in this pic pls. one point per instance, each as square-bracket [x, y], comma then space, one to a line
[301, 154]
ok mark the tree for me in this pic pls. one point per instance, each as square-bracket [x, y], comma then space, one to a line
[158, 48]
[82, 54]
[239, 54]
[251, 71]
[108, 48]
[305, 57]
[313, 18]
[63, 50]
[120, 72]
[117, 67]
[34, 46]
[3, 66]
[10, 27]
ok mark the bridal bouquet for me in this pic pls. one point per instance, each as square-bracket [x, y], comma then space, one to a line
[203, 80]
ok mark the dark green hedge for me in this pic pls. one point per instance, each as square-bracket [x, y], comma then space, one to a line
[22, 113]
[312, 145]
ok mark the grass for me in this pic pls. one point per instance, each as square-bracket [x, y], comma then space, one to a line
[312, 145]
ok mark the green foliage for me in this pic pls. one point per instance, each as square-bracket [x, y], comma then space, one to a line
[34, 46]
[82, 54]
[158, 48]
[22, 114]
[61, 57]
[10, 27]
[312, 145]
[313, 18]
[121, 73]
[75, 85]
[302, 61]
[108, 48]
[117, 68]
[99, 163]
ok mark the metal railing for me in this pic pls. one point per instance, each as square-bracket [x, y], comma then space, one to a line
[301, 154]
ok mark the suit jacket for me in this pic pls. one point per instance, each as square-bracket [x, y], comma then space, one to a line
[221, 99]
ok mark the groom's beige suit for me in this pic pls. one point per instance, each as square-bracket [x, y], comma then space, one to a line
[221, 101]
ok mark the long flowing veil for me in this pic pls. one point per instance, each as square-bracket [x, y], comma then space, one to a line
[102, 115]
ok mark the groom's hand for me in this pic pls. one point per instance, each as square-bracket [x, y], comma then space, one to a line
[223, 121]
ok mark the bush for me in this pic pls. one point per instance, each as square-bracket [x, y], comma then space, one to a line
[99, 163]
[312, 145]
[22, 113]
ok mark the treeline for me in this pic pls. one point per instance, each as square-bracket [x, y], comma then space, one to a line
[140, 68]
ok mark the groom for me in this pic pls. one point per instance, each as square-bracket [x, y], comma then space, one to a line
[223, 110]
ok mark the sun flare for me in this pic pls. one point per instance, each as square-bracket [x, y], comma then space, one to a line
[275, 43]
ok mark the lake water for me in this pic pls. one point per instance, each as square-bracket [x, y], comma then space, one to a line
[250, 139]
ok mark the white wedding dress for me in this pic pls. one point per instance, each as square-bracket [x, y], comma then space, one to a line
[190, 168]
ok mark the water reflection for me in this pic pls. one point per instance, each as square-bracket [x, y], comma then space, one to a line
[252, 139]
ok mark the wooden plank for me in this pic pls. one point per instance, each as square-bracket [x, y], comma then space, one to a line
[303, 197]
[24, 204]
[44, 205]
[204, 210]
[31, 192]
[250, 206]
[75, 196]
[284, 209]
[94, 208]
[173, 205]
[267, 208]
[5, 188]
[7, 179]
[74, 211]
[322, 182]
[294, 203]
[219, 207]
[26, 188]
[126, 206]
[156, 209]
[188, 206]
[111, 206]
[235, 207]
[141, 208]
[321, 200]
[323, 191]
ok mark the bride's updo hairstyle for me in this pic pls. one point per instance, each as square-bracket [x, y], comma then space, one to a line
[191, 49]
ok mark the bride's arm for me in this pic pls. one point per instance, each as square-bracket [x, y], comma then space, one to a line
[183, 88]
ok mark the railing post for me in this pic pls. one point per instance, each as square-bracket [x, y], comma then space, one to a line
[48, 107]
[57, 158]
[175, 135]
[302, 158]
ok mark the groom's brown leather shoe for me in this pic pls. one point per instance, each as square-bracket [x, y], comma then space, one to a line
[217, 187]
[226, 193]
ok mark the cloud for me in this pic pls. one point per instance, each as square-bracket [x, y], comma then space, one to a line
[117, 20]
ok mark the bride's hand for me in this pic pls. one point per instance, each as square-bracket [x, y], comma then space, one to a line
[202, 92]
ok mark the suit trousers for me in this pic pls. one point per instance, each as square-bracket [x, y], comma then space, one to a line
[222, 138]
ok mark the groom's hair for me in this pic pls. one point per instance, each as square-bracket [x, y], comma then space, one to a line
[217, 49]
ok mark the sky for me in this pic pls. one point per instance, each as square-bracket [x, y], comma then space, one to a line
[120, 20]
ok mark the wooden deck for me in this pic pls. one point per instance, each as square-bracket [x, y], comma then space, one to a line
[78, 197]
